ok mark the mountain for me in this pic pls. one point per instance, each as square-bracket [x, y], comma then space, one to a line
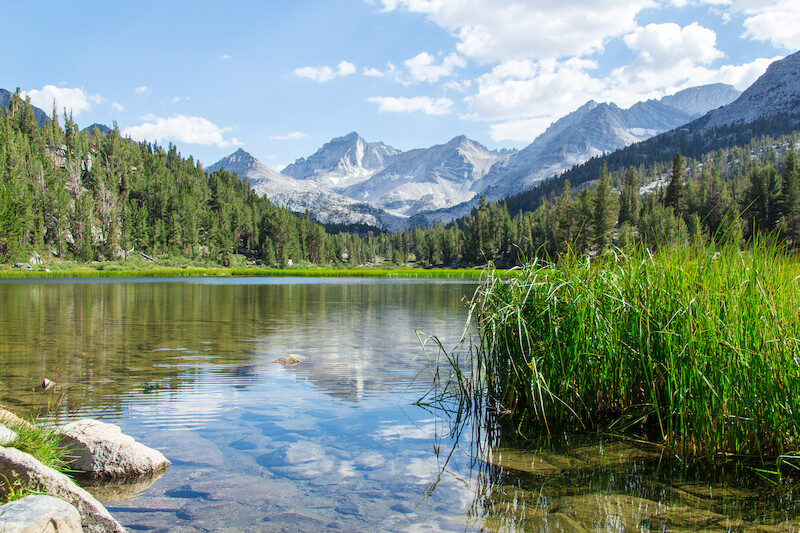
[427, 179]
[595, 129]
[41, 117]
[776, 92]
[102, 128]
[342, 162]
[352, 181]
[299, 195]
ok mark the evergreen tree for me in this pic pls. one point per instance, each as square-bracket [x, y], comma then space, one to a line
[674, 197]
[604, 212]
[630, 203]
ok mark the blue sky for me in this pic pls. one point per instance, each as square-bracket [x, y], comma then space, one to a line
[281, 78]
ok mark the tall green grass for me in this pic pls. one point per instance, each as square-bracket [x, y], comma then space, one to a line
[698, 349]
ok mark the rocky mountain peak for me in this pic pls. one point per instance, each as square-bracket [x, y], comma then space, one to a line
[777, 91]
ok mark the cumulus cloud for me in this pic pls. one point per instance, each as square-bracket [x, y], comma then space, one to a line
[775, 21]
[117, 106]
[325, 73]
[669, 43]
[142, 90]
[425, 104]
[498, 30]
[527, 88]
[423, 67]
[74, 100]
[293, 136]
[181, 128]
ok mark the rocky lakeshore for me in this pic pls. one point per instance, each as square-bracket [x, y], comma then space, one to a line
[97, 453]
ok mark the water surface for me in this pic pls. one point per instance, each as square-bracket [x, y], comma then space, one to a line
[335, 442]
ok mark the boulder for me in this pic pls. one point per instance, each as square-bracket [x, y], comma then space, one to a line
[7, 436]
[10, 419]
[21, 468]
[101, 450]
[39, 513]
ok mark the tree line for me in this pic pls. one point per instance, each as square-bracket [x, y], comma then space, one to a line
[86, 195]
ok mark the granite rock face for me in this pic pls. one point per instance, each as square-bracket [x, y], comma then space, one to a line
[101, 450]
[39, 513]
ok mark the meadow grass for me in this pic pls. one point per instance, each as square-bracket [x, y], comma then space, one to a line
[697, 349]
[113, 270]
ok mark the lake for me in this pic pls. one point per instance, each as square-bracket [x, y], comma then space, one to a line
[335, 442]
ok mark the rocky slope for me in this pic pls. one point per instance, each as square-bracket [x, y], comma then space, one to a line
[300, 195]
[594, 129]
[427, 179]
[776, 92]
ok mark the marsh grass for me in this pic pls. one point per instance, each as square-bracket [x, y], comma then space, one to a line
[691, 348]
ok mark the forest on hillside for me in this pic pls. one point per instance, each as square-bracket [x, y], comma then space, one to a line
[85, 195]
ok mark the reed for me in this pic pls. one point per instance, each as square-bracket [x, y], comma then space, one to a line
[695, 347]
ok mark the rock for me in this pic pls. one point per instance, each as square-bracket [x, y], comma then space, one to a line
[7, 436]
[298, 460]
[23, 266]
[39, 513]
[20, 467]
[101, 450]
[10, 419]
[290, 359]
[35, 259]
[536, 462]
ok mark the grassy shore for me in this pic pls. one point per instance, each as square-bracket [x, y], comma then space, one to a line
[695, 349]
[165, 269]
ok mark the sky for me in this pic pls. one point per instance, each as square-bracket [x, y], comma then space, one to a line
[281, 78]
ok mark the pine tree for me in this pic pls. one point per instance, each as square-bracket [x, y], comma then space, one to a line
[604, 213]
[674, 197]
[630, 204]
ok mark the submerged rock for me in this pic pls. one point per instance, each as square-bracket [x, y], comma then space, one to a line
[101, 450]
[290, 359]
[39, 513]
[535, 462]
[22, 468]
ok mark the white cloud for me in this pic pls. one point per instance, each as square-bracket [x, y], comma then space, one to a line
[373, 72]
[501, 30]
[117, 106]
[325, 73]
[74, 100]
[775, 21]
[669, 43]
[293, 136]
[429, 106]
[142, 90]
[226, 56]
[181, 128]
[423, 67]
[523, 89]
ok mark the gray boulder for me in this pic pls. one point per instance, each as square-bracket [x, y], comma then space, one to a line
[21, 468]
[7, 436]
[39, 513]
[101, 450]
